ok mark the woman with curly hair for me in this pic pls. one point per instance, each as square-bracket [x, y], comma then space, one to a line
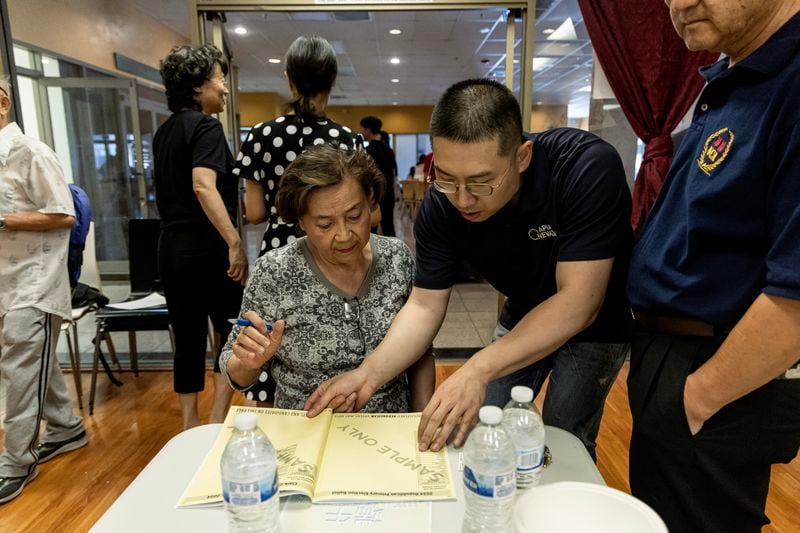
[202, 261]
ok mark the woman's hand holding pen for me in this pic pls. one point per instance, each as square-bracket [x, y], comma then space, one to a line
[258, 342]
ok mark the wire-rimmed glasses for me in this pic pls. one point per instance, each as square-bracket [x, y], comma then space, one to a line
[475, 189]
[355, 337]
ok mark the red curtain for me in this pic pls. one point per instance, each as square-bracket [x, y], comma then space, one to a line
[653, 76]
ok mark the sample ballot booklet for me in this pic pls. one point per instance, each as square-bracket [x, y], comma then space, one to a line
[336, 458]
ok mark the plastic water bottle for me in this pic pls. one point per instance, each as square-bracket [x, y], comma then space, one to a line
[250, 479]
[489, 475]
[524, 425]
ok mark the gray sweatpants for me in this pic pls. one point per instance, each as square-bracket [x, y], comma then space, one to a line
[35, 388]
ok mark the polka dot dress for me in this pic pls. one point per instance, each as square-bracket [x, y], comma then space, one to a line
[268, 149]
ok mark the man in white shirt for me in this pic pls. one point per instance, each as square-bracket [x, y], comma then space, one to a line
[36, 213]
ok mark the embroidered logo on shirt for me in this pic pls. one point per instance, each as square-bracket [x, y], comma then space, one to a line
[545, 231]
[715, 150]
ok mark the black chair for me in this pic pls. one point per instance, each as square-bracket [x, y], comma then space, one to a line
[143, 259]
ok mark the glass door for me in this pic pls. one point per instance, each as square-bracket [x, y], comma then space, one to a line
[95, 130]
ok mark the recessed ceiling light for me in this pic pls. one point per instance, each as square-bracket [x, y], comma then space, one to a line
[516, 61]
[274, 60]
[548, 31]
[240, 30]
[395, 31]
[394, 60]
[485, 30]
[539, 102]
[395, 80]
[394, 103]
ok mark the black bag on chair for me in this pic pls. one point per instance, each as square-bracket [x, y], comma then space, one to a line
[84, 295]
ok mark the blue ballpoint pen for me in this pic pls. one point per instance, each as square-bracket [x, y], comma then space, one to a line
[243, 322]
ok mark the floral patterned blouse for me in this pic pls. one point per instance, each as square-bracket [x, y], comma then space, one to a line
[327, 333]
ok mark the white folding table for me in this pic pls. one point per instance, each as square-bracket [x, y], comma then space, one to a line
[149, 502]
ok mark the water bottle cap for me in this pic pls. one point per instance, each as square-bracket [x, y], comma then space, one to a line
[245, 421]
[522, 394]
[490, 414]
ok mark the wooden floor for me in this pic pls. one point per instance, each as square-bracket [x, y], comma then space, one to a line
[131, 423]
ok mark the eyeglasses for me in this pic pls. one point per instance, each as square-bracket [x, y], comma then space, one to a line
[355, 337]
[475, 189]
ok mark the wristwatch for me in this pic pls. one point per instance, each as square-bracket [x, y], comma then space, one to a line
[2, 223]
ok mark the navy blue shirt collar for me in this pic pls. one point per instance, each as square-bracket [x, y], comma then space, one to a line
[769, 59]
[534, 184]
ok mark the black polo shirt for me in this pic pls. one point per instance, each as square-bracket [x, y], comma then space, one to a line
[190, 139]
[573, 205]
[726, 226]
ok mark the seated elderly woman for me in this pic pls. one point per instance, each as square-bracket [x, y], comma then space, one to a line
[330, 296]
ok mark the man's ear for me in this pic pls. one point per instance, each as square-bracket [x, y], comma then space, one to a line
[5, 106]
[524, 155]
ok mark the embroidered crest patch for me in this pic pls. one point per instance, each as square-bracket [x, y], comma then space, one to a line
[715, 150]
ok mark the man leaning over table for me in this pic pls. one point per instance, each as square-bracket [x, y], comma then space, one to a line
[36, 213]
[545, 219]
[715, 280]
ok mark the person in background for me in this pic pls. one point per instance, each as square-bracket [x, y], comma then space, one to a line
[201, 259]
[270, 147]
[385, 138]
[545, 218]
[419, 169]
[330, 295]
[384, 158]
[36, 213]
[715, 280]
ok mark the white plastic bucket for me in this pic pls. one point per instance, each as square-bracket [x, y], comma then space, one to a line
[574, 507]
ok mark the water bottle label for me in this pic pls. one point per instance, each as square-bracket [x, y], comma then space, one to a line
[498, 486]
[251, 493]
[529, 460]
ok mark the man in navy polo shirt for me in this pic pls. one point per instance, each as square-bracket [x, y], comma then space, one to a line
[545, 219]
[715, 280]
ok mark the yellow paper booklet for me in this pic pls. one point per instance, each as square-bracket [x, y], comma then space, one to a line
[336, 458]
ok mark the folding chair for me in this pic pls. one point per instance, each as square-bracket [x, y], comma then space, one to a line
[90, 275]
[143, 260]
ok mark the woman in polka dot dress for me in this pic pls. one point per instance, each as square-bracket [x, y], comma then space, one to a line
[269, 148]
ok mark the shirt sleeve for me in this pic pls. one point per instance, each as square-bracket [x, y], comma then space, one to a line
[247, 165]
[407, 269]
[594, 206]
[209, 147]
[47, 187]
[783, 212]
[437, 260]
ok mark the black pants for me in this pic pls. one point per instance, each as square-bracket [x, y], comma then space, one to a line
[717, 480]
[387, 210]
[193, 268]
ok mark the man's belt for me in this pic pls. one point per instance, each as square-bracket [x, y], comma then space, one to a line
[675, 325]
